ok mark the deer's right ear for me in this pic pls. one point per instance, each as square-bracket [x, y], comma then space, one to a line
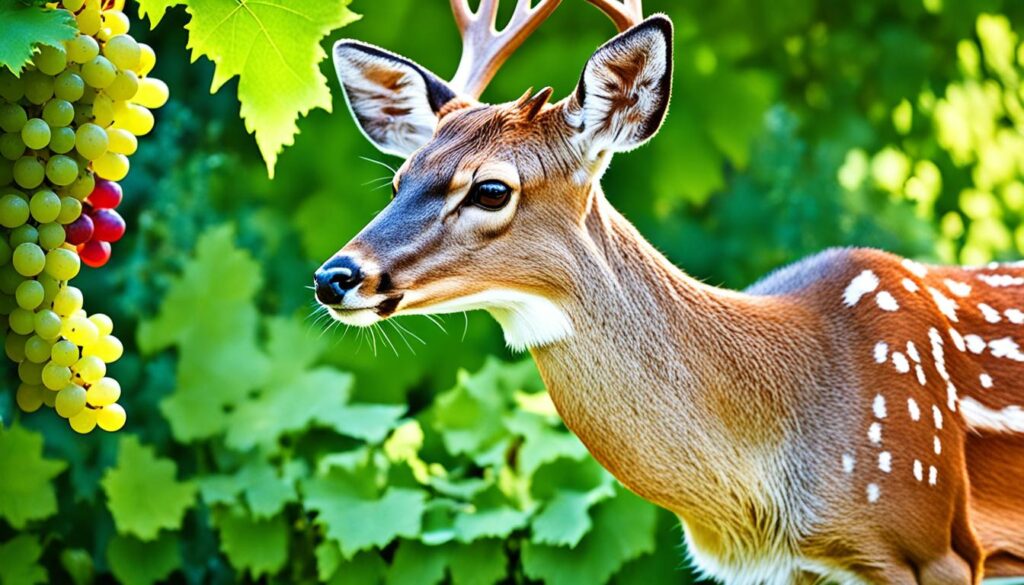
[394, 101]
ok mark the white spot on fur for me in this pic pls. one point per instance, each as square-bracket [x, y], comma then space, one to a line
[933, 475]
[980, 417]
[918, 470]
[951, 396]
[873, 492]
[915, 268]
[937, 417]
[938, 445]
[878, 407]
[900, 362]
[1007, 348]
[921, 379]
[1015, 316]
[848, 463]
[986, 380]
[913, 409]
[946, 305]
[862, 284]
[875, 433]
[975, 343]
[881, 352]
[960, 289]
[958, 339]
[912, 352]
[1001, 280]
[886, 301]
[885, 461]
[910, 285]
[991, 315]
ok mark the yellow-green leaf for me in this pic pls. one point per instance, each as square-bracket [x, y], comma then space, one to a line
[26, 488]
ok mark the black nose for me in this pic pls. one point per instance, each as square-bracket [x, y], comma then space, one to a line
[337, 276]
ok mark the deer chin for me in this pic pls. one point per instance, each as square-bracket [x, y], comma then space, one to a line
[356, 317]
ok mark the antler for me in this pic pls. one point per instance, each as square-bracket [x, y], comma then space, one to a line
[484, 48]
[624, 13]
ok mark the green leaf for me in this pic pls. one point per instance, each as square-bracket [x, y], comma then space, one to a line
[478, 563]
[357, 514]
[26, 491]
[155, 9]
[499, 521]
[142, 492]
[369, 422]
[257, 546]
[564, 520]
[366, 568]
[417, 564]
[135, 562]
[19, 561]
[623, 530]
[266, 491]
[273, 47]
[27, 27]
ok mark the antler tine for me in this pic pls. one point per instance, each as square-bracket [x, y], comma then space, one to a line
[624, 13]
[485, 49]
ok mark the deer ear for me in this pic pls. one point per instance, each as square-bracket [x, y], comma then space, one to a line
[394, 101]
[623, 93]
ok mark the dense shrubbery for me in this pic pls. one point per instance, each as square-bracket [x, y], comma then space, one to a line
[261, 447]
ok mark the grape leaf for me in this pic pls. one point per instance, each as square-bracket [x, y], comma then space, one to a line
[135, 562]
[366, 568]
[273, 46]
[564, 520]
[142, 492]
[266, 491]
[19, 561]
[417, 564]
[369, 422]
[27, 27]
[155, 10]
[257, 546]
[26, 491]
[482, 562]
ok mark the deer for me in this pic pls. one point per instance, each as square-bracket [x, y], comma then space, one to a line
[855, 417]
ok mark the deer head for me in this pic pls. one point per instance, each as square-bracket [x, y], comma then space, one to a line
[490, 198]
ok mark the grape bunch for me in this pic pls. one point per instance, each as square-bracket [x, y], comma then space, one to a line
[69, 123]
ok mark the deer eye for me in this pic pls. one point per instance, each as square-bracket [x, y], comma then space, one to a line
[490, 195]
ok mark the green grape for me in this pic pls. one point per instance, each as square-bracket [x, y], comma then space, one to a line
[51, 286]
[50, 60]
[123, 51]
[6, 172]
[79, 330]
[152, 93]
[28, 172]
[49, 398]
[21, 321]
[69, 86]
[67, 302]
[58, 113]
[51, 235]
[29, 295]
[44, 206]
[38, 349]
[70, 210]
[14, 347]
[62, 140]
[64, 353]
[9, 279]
[83, 49]
[24, 234]
[62, 264]
[70, 400]
[11, 88]
[47, 324]
[13, 211]
[85, 421]
[5, 252]
[104, 325]
[99, 72]
[30, 399]
[89, 95]
[28, 259]
[54, 376]
[83, 113]
[108, 348]
[36, 133]
[12, 147]
[135, 119]
[38, 87]
[12, 117]
[83, 186]
[110, 418]
[116, 21]
[30, 372]
[111, 166]
[89, 20]
[147, 59]
[91, 141]
[73, 5]
[124, 86]
[61, 170]
[120, 141]
[90, 369]
[103, 392]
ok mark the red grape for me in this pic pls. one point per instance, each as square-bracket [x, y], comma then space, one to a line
[109, 225]
[94, 253]
[80, 231]
[106, 194]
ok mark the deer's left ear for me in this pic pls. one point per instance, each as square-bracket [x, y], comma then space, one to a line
[623, 93]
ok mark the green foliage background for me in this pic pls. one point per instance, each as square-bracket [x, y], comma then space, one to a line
[264, 445]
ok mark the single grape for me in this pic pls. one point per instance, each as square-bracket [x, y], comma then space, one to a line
[28, 259]
[58, 113]
[29, 172]
[14, 347]
[44, 206]
[38, 349]
[70, 210]
[116, 21]
[99, 72]
[152, 93]
[29, 397]
[69, 86]
[122, 50]
[124, 86]
[30, 372]
[36, 133]
[50, 287]
[73, 5]
[85, 421]
[5, 252]
[25, 233]
[12, 117]
[9, 279]
[94, 253]
[29, 295]
[55, 376]
[106, 194]
[90, 368]
[64, 353]
[147, 59]
[83, 48]
[12, 147]
[12, 88]
[111, 166]
[91, 141]
[79, 330]
[103, 110]
[82, 186]
[135, 119]
[38, 87]
[62, 140]
[47, 324]
[108, 348]
[79, 231]
[89, 20]
[62, 264]
[50, 60]
[61, 170]
[104, 324]
[49, 398]
[13, 211]
[21, 321]
[67, 301]
[51, 235]
[103, 392]
[111, 418]
[121, 141]
[70, 400]
[109, 225]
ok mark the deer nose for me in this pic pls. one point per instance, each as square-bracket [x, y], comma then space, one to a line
[336, 277]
